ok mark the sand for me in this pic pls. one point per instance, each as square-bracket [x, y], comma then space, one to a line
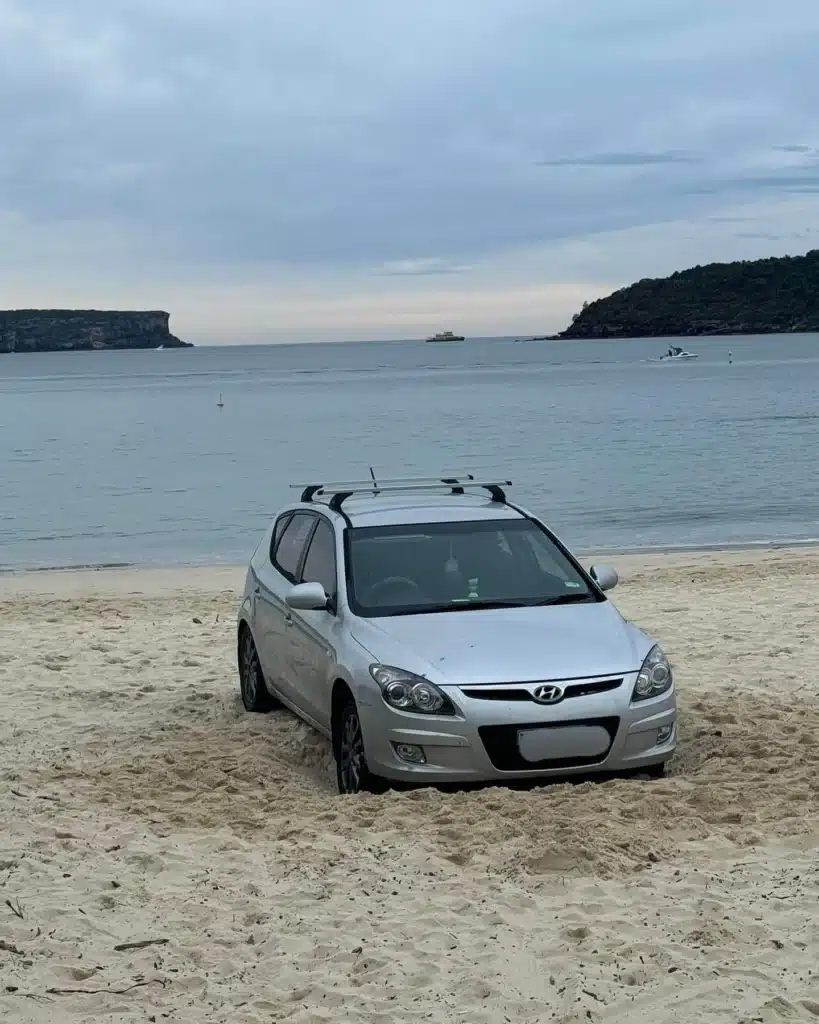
[140, 802]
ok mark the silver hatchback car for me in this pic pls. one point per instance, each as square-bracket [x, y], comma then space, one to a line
[437, 633]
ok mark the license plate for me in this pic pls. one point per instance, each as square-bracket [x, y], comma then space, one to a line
[552, 744]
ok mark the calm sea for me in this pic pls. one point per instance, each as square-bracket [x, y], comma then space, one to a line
[125, 457]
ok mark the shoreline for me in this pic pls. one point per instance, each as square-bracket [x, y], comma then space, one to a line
[159, 581]
[649, 551]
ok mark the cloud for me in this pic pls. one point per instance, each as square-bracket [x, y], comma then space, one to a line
[806, 179]
[161, 144]
[421, 267]
[768, 236]
[621, 160]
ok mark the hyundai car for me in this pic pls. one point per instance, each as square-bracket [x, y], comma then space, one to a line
[436, 632]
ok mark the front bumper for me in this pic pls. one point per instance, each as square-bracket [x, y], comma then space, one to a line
[489, 738]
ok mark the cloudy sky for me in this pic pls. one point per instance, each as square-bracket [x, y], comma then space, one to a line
[317, 170]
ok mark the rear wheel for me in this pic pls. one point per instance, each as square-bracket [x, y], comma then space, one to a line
[251, 681]
[352, 771]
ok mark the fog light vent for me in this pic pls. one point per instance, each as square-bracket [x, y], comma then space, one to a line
[664, 733]
[411, 752]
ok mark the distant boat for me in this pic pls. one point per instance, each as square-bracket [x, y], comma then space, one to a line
[446, 336]
[220, 403]
[674, 355]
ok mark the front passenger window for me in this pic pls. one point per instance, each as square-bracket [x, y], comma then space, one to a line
[320, 564]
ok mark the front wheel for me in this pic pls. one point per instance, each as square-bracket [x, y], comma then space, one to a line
[352, 772]
[255, 696]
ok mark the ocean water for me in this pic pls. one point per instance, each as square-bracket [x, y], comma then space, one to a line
[125, 457]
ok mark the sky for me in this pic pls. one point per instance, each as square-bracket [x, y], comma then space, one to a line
[314, 170]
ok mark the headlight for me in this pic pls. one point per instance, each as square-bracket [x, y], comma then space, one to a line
[407, 692]
[654, 677]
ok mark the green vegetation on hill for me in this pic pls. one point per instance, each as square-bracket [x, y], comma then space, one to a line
[67, 330]
[768, 296]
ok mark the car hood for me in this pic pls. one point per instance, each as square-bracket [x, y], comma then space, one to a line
[507, 644]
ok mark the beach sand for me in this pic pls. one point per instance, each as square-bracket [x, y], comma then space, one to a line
[140, 802]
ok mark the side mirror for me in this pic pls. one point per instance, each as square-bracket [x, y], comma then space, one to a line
[604, 576]
[307, 597]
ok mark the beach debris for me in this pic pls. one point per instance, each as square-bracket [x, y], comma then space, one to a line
[16, 910]
[197, 621]
[104, 991]
[9, 947]
[141, 944]
[34, 796]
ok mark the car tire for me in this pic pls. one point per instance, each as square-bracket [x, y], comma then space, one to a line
[255, 695]
[352, 771]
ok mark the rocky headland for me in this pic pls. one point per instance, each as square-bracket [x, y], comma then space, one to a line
[67, 330]
[779, 295]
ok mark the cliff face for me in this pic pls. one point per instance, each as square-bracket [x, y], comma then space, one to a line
[65, 330]
[772, 296]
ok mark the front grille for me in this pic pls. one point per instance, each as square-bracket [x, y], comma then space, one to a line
[583, 689]
[501, 743]
[487, 693]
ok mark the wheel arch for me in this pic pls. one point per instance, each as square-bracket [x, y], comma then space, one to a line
[242, 628]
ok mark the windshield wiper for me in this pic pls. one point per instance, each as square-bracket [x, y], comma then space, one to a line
[463, 606]
[488, 604]
[567, 599]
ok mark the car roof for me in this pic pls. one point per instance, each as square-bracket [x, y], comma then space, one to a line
[404, 509]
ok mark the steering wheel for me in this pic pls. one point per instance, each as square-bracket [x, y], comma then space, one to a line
[377, 589]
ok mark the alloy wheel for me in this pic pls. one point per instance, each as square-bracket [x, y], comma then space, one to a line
[250, 671]
[352, 762]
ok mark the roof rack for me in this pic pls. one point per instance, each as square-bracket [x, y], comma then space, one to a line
[339, 492]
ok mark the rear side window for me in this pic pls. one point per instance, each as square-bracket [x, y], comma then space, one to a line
[291, 544]
[320, 564]
[278, 530]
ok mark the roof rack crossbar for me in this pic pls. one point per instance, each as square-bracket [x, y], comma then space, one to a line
[309, 490]
[339, 492]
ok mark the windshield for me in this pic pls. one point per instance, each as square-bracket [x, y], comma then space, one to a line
[438, 567]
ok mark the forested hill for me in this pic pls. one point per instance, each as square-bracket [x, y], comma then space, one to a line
[65, 330]
[768, 296]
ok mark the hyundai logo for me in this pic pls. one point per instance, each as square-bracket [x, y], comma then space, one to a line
[548, 694]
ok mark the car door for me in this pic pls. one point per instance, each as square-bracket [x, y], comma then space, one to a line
[313, 646]
[273, 617]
